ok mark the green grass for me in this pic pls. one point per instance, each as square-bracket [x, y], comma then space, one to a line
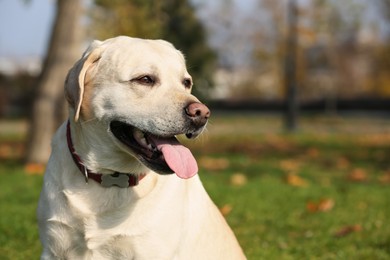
[18, 199]
[271, 221]
[269, 214]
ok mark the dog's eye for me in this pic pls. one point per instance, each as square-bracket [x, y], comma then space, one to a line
[146, 80]
[187, 83]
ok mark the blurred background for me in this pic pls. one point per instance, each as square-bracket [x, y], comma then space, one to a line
[298, 147]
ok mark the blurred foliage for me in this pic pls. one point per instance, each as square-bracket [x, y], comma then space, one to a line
[342, 51]
[172, 20]
[382, 69]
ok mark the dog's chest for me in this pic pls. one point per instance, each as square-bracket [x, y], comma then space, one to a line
[130, 230]
[130, 240]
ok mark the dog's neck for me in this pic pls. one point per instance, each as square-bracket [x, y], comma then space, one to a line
[122, 180]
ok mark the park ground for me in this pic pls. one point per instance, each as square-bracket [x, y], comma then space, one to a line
[320, 193]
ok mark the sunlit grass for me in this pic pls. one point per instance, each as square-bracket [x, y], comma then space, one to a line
[271, 219]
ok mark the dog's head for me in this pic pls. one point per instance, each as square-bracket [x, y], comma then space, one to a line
[140, 91]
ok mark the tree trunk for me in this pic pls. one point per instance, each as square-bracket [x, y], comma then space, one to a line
[291, 113]
[63, 51]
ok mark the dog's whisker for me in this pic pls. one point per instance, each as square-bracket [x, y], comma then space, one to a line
[89, 121]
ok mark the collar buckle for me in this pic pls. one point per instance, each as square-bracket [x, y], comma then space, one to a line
[117, 179]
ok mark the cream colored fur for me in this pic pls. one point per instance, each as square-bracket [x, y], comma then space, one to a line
[164, 217]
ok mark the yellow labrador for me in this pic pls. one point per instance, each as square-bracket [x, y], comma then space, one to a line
[109, 190]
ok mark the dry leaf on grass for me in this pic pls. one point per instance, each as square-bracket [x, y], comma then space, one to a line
[342, 163]
[323, 205]
[313, 152]
[34, 168]
[11, 150]
[342, 232]
[357, 175]
[214, 164]
[290, 165]
[238, 179]
[226, 209]
[385, 178]
[295, 180]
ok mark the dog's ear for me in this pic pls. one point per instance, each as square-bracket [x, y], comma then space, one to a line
[75, 80]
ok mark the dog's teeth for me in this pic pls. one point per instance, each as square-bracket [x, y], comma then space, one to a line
[138, 134]
[140, 137]
[143, 142]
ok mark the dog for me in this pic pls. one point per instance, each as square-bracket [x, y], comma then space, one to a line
[118, 184]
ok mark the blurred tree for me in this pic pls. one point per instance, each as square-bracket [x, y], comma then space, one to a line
[49, 104]
[278, 47]
[334, 49]
[381, 73]
[290, 76]
[270, 50]
[329, 61]
[171, 20]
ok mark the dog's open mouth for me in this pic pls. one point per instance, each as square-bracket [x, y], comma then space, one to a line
[164, 155]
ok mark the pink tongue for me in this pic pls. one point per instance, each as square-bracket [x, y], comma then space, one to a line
[178, 157]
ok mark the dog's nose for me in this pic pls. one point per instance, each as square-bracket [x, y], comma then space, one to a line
[198, 113]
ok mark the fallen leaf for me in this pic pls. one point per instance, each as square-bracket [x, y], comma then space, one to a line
[323, 205]
[10, 150]
[290, 165]
[295, 180]
[342, 163]
[313, 152]
[214, 164]
[348, 230]
[385, 178]
[34, 168]
[238, 179]
[226, 209]
[326, 205]
[311, 206]
[357, 175]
